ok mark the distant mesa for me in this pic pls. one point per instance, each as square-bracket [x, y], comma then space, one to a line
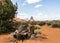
[19, 19]
[31, 18]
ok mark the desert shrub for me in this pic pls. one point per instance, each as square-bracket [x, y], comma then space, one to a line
[7, 12]
[48, 23]
[56, 25]
[38, 31]
[32, 22]
[17, 24]
[41, 23]
[7, 27]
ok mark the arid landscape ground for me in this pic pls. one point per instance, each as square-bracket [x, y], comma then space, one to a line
[49, 35]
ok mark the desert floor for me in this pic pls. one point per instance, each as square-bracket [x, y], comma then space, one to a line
[49, 35]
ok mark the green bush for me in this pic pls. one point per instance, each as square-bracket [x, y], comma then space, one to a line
[6, 27]
[32, 22]
[48, 23]
[56, 25]
[7, 12]
[38, 31]
[41, 23]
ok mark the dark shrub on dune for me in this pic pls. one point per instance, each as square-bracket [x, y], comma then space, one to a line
[48, 24]
[41, 23]
[56, 25]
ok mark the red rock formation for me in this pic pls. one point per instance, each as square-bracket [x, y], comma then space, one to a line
[18, 19]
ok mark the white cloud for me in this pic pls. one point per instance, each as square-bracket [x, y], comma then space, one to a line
[23, 15]
[32, 1]
[39, 16]
[38, 6]
[24, 4]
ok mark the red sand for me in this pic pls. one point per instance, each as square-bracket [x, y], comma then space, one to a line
[52, 34]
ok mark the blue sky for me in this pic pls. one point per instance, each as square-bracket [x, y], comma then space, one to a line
[39, 9]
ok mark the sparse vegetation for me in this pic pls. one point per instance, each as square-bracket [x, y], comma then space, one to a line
[41, 23]
[54, 23]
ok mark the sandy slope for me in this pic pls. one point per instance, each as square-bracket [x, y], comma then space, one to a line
[52, 35]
